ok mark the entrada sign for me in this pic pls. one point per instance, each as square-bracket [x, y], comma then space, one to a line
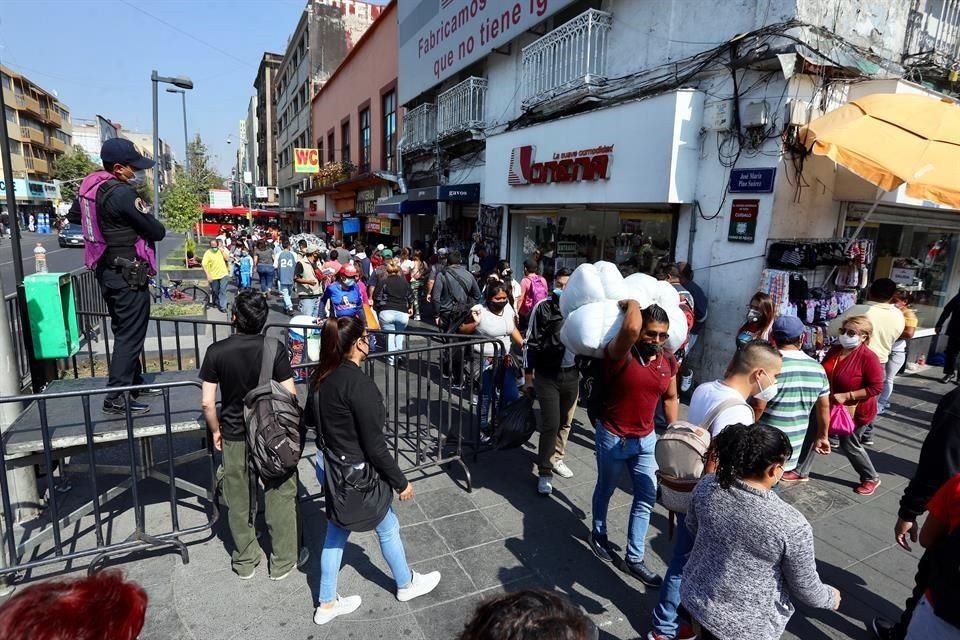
[569, 166]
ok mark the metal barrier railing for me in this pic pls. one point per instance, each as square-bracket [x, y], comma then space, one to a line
[16, 332]
[60, 425]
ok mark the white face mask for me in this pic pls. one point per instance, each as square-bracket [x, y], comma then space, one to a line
[850, 342]
[766, 394]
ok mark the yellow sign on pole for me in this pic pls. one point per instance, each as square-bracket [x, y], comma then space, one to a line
[306, 161]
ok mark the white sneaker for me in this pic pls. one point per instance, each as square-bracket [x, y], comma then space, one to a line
[545, 486]
[686, 382]
[343, 607]
[561, 469]
[420, 585]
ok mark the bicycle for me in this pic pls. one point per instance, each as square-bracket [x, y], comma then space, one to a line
[176, 292]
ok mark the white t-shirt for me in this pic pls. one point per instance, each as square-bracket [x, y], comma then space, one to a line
[494, 326]
[709, 395]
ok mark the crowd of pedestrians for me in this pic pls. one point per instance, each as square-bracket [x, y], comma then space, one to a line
[741, 556]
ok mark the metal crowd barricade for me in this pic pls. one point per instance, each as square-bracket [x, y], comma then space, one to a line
[429, 417]
[61, 424]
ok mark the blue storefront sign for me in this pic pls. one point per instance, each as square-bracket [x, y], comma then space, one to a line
[752, 180]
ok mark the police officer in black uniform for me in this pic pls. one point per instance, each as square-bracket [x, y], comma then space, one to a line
[123, 217]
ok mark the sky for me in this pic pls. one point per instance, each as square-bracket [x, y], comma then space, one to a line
[97, 56]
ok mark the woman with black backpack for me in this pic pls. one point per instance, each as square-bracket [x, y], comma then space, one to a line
[359, 473]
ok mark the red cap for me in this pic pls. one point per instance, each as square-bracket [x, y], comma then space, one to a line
[349, 271]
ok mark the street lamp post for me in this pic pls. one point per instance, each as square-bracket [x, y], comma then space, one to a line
[182, 82]
[186, 154]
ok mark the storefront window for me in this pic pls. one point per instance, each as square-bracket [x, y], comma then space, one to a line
[921, 260]
[634, 241]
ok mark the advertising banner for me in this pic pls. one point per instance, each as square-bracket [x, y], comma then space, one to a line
[306, 161]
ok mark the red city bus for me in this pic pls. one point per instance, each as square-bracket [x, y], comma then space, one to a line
[215, 218]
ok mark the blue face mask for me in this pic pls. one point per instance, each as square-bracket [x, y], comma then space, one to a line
[349, 282]
[557, 291]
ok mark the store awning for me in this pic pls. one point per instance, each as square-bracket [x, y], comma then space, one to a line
[448, 192]
[402, 205]
[892, 140]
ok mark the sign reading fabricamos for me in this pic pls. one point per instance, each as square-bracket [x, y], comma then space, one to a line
[438, 38]
[306, 161]
[568, 166]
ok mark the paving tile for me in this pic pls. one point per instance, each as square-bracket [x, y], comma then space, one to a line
[466, 530]
[493, 564]
[421, 541]
[842, 535]
[446, 620]
[444, 502]
[454, 582]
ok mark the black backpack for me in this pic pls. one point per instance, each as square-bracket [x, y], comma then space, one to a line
[945, 578]
[594, 390]
[272, 415]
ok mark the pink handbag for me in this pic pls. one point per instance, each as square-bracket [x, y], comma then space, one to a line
[841, 424]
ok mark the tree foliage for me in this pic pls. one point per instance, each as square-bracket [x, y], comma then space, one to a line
[71, 168]
[181, 206]
[203, 176]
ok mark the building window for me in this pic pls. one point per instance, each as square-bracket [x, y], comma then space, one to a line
[331, 146]
[320, 150]
[345, 142]
[390, 132]
[15, 148]
[7, 82]
[365, 140]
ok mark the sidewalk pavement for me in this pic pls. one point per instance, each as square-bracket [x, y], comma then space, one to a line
[505, 537]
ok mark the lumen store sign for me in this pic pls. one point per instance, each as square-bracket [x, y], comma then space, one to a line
[567, 166]
[439, 38]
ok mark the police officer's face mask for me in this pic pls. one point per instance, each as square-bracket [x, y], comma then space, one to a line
[138, 178]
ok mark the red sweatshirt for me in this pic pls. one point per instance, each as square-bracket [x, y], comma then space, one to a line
[859, 370]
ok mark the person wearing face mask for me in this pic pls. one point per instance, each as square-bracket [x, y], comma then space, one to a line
[752, 374]
[119, 233]
[752, 553]
[344, 295]
[551, 368]
[360, 475]
[496, 318]
[759, 320]
[637, 373]
[856, 379]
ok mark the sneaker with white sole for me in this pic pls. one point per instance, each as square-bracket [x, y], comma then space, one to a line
[421, 584]
[342, 607]
[301, 560]
[545, 486]
[561, 469]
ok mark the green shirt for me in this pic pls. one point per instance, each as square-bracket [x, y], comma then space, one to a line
[801, 382]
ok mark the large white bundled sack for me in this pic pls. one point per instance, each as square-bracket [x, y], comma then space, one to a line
[666, 296]
[678, 327]
[612, 280]
[584, 287]
[589, 328]
[641, 287]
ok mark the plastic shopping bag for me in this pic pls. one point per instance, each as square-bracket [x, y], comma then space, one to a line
[841, 424]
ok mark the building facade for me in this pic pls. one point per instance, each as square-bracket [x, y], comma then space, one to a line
[326, 32]
[265, 132]
[39, 129]
[356, 127]
[588, 138]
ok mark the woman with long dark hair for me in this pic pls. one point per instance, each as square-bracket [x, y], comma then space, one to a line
[759, 320]
[419, 275]
[752, 552]
[495, 318]
[360, 475]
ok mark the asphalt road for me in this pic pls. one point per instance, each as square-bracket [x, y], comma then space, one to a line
[58, 260]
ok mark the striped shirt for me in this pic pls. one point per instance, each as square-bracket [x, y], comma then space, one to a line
[800, 383]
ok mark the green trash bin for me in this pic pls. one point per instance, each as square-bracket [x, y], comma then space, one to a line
[53, 315]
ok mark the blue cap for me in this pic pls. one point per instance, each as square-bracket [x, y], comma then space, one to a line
[787, 329]
[122, 151]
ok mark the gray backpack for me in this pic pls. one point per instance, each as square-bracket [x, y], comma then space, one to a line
[272, 414]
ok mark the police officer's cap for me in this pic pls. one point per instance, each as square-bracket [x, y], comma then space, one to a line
[122, 151]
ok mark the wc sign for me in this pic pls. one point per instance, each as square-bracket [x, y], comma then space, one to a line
[306, 161]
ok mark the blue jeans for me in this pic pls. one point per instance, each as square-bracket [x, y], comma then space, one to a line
[309, 307]
[394, 321]
[265, 273]
[665, 621]
[286, 290]
[614, 454]
[391, 546]
[509, 392]
[897, 358]
[222, 292]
